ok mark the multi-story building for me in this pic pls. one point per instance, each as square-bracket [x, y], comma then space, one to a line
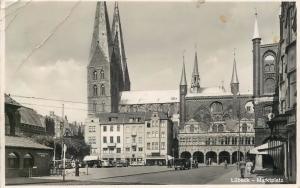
[58, 124]
[123, 136]
[158, 139]
[281, 142]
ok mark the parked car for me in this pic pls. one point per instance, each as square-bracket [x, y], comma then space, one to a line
[121, 163]
[94, 163]
[182, 164]
[107, 163]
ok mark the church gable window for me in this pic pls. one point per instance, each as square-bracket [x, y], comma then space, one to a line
[94, 107]
[101, 74]
[95, 75]
[269, 63]
[216, 107]
[102, 89]
[103, 106]
[95, 90]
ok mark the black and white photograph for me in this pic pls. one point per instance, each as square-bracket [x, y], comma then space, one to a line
[149, 93]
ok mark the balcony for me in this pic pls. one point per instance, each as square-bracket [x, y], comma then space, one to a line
[111, 144]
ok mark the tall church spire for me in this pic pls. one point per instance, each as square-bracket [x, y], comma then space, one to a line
[234, 84]
[256, 32]
[183, 77]
[117, 30]
[195, 85]
[101, 31]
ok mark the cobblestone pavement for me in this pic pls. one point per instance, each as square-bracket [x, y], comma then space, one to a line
[155, 175]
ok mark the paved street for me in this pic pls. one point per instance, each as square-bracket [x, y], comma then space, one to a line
[146, 175]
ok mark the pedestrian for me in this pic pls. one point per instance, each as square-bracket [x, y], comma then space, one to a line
[242, 165]
[225, 164]
[249, 165]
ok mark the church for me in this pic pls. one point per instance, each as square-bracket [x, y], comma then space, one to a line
[210, 124]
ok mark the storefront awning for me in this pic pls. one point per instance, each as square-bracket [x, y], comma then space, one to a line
[91, 157]
[257, 150]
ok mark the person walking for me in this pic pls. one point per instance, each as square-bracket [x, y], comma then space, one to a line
[225, 164]
[242, 165]
[249, 165]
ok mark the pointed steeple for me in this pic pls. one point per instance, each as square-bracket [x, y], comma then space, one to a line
[234, 77]
[195, 84]
[234, 84]
[117, 30]
[256, 32]
[101, 31]
[183, 77]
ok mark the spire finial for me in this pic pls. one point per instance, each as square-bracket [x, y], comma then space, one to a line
[234, 49]
[183, 76]
[234, 78]
[256, 33]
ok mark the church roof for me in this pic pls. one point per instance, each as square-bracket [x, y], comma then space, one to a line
[11, 101]
[30, 117]
[149, 97]
[210, 91]
[22, 142]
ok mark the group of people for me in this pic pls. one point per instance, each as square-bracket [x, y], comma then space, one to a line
[246, 167]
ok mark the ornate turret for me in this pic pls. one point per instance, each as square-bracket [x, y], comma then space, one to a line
[195, 84]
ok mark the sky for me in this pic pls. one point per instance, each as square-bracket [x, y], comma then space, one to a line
[48, 43]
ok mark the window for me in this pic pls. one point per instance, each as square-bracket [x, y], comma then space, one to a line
[103, 106]
[92, 140]
[140, 140]
[148, 146]
[221, 128]
[94, 107]
[156, 134]
[118, 139]
[133, 148]
[104, 128]
[28, 161]
[104, 139]
[214, 128]
[153, 145]
[118, 150]
[111, 139]
[111, 128]
[101, 74]
[153, 134]
[111, 150]
[118, 128]
[13, 160]
[244, 127]
[95, 90]
[163, 134]
[133, 139]
[140, 149]
[95, 75]
[148, 125]
[163, 145]
[269, 62]
[127, 149]
[102, 89]
[92, 129]
[216, 107]
[148, 134]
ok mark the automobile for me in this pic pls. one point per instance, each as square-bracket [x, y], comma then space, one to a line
[94, 163]
[182, 164]
[121, 163]
[107, 163]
